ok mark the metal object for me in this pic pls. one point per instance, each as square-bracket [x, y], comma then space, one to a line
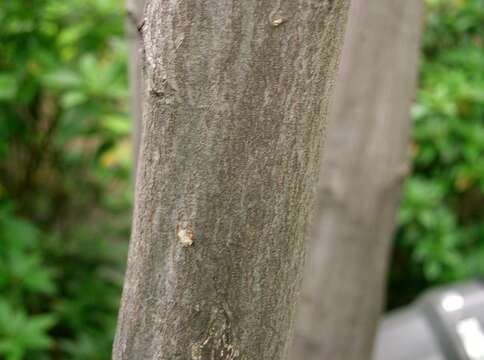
[444, 324]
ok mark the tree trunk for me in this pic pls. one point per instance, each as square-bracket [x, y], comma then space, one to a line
[362, 173]
[134, 21]
[234, 106]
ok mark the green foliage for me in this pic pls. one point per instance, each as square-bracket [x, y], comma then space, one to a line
[20, 332]
[64, 177]
[441, 228]
[23, 275]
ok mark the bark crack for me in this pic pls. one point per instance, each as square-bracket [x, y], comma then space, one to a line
[218, 343]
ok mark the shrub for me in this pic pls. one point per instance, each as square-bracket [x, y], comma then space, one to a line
[440, 237]
[64, 177]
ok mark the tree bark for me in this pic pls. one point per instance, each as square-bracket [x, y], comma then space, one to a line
[134, 21]
[234, 106]
[362, 172]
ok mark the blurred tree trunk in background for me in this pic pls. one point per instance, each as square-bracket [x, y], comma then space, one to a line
[235, 98]
[363, 168]
[134, 21]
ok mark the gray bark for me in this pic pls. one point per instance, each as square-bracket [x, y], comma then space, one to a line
[363, 168]
[134, 21]
[234, 107]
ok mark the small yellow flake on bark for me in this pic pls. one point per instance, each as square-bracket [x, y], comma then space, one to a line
[277, 21]
[185, 235]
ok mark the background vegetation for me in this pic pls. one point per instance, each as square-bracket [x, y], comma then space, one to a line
[440, 237]
[65, 195]
[64, 177]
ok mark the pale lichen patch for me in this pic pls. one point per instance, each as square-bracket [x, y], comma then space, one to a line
[185, 235]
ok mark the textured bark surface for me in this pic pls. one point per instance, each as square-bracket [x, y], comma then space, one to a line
[363, 167]
[234, 107]
[134, 21]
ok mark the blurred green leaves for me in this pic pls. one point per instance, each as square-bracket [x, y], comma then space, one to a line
[441, 226]
[23, 275]
[21, 334]
[8, 87]
[64, 177]
[22, 272]
[62, 81]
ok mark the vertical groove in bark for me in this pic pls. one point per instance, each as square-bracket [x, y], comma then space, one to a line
[236, 94]
[134, 24]
[363, 167]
